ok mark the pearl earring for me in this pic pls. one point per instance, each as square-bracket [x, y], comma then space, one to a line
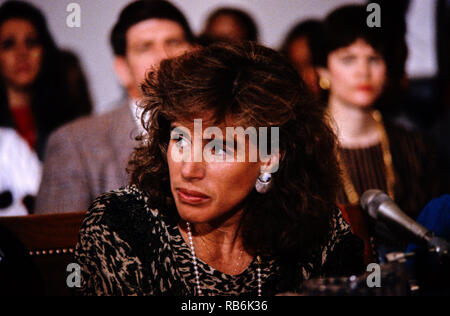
[264, 182]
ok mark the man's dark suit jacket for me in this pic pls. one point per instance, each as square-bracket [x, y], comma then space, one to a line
[86, 158]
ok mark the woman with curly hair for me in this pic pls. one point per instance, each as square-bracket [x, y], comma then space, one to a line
[208, 224]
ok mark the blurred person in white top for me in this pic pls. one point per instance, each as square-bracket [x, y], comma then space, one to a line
[20, 174]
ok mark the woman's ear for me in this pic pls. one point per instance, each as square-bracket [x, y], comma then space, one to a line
[271, 163]
[123, 71]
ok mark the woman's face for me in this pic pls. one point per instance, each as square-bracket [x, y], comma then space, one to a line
[300, 55]
[206, 192]
[20, 53]
[357, 74]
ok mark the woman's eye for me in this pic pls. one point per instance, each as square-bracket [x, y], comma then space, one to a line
[347, 59]
[32, 42]
[222, 150]
[182, 143]
[174, 42]
[7, 44]
[179, 139]
[375, 59]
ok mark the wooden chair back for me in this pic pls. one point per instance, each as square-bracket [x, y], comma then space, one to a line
[49, 241]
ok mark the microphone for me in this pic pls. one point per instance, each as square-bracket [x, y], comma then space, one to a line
[382, 208]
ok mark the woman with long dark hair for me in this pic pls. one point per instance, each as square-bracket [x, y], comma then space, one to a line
[34, 88]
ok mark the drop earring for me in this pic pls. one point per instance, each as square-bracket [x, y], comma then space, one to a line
[264, 182]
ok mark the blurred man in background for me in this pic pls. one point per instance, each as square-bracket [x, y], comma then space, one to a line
[89, 156]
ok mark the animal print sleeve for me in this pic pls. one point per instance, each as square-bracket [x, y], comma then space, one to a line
[103, 256]
[344, 253]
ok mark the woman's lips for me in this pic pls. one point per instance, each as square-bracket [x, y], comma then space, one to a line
[191, 197]
[364, 88]
[23, 68]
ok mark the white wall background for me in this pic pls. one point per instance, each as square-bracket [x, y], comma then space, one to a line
[274, 19]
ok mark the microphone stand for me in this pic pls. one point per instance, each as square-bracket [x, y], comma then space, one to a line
[429, 264]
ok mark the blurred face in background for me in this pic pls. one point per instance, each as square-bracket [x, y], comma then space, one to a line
[20, 53]
[148, 43]
[300, 55]
[357, 74]
[227, 27]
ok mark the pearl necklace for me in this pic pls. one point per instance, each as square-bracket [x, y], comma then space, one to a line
[194, 261]
[211, 255]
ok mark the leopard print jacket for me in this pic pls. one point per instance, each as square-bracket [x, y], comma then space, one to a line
[126, 248]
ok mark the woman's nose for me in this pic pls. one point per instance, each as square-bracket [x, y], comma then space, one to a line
[364, 69]
[192, 170]
[22, 50]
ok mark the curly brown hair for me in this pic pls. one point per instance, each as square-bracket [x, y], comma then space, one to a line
[255, 86]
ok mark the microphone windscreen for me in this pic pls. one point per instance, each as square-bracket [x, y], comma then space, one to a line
[371, 201]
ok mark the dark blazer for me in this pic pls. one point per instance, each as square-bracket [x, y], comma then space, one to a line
[86, 158]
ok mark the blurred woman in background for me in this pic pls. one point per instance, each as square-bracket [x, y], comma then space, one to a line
[300, 46]
[41, 88]
[373, 153]
[229, 24]
[34, 98]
